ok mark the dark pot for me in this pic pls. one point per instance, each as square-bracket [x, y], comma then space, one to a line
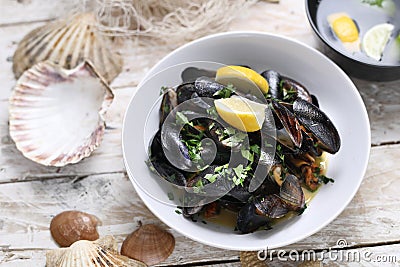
[350, 65]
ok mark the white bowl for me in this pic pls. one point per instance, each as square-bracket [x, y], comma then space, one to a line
[337, 95]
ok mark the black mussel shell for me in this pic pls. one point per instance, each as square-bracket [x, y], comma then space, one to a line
[273, 78]
[288, 120]
[292, 193]
[249, 221]
[318, 123]
[169, 102]
[185, 92]
[169, 173]
[301, 92]
[190, 74]
[271, 206]
[207, 87]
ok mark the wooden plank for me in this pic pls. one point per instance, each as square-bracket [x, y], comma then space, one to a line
[27, 208]
[27, 11]
[382, 102]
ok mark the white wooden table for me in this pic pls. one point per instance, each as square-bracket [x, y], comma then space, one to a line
[30, 194]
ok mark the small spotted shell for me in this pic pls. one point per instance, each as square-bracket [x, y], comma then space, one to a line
[71, 226]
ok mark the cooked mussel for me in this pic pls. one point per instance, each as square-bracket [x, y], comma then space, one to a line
[292, 193]
[168, 103]
[169, 173]
[249, 221]
[288, 128]
[190, 74]
[271, 206]
[294, 90]
[318, 124]
[273, 78]
[185, 91]
[207, 87]
[201, 87]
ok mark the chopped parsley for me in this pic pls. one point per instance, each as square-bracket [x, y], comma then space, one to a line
[226, 92]
[212, 112]
[322, 178]
[181, 119]
[377, 3]
[230, 136]
[163, 89]
[171, 196]
[178, 212]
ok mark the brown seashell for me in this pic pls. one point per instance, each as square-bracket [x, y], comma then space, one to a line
[68, 42]
[149, 244]
[71, 226]
[100, 253]
[250, 259]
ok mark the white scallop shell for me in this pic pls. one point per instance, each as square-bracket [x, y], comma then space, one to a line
[68, 42]
[56, 115]
[83, 253]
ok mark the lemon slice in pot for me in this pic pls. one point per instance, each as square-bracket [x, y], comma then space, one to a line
[375, 40]
[346, 31]
[242, 78]
[241, 113]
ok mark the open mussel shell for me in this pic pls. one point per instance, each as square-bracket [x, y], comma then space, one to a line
[56, 115]
[100, 253]
[318, 123]
[68, 42]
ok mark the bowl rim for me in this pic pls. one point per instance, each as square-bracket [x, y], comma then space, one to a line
[327, 43]
[146, 198]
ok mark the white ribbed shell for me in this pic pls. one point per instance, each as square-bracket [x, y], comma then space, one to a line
[55, 115]
[83, 253]
[68, 42]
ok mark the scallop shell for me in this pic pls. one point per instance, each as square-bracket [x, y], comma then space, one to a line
[149, 244]
[84, 253]
[72, 225]
[56, 115]
[68, 42]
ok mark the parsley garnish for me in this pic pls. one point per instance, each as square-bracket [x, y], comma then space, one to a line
[226, 92]
[212, 112]
[163, 89]
[374, 2]
[181, 119]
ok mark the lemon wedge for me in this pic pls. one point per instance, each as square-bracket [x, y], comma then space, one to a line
[241, 113]
[346, 30]
[375, 40]
[244, 79]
